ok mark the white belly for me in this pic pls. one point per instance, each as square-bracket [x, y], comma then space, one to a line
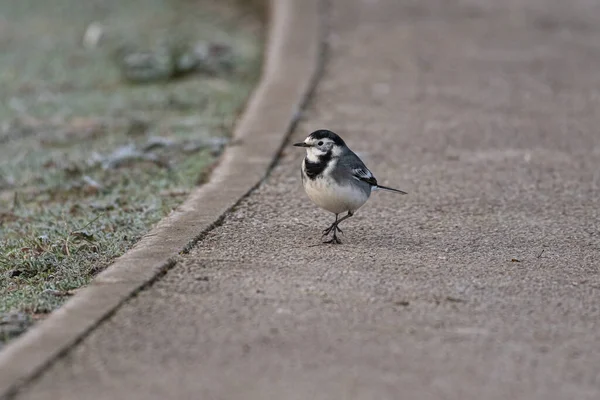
[328, 195]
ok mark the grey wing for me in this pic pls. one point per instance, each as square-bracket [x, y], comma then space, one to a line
[356, 169]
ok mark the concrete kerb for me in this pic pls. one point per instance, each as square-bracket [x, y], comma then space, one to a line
[291, 68]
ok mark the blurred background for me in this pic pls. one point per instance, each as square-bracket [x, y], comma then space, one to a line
[110, 113]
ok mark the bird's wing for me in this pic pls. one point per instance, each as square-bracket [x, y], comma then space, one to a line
[352, 164]
[360, 172]
[363, 174]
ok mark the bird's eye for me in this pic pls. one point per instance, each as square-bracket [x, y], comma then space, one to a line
[320, 143]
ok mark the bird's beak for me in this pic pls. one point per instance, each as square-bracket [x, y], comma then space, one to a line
[301, 144]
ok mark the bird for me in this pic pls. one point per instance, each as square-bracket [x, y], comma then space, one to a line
[335, 178]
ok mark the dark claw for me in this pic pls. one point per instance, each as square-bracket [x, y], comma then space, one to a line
[334, 240]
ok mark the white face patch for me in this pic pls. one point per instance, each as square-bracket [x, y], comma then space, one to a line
[336, 151]
[314, 154]
[319, 147]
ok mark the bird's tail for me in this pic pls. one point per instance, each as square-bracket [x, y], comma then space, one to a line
[389, 189]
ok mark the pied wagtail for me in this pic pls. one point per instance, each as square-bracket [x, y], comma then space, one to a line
[335, 178]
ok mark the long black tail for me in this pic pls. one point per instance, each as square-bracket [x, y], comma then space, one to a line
[390, 189]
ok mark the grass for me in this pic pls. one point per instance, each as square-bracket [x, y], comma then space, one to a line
[89, 161]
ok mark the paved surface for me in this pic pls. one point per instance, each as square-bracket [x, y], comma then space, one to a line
[486, 113]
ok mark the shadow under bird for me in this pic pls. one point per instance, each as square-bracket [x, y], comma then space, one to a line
[335, 178]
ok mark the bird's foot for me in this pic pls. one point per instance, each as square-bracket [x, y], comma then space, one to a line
[333, 228]
[334, 240]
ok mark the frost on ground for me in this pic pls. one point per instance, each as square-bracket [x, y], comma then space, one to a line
[110, 113]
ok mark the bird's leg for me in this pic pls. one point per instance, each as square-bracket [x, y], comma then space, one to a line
[334, 227]
[350, 213]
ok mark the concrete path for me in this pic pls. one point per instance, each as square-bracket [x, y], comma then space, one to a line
[482, 283]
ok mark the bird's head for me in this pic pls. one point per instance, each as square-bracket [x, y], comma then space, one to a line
[320, 143]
